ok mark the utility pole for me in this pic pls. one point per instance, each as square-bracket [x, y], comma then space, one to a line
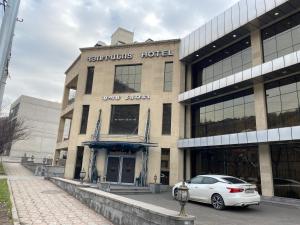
[11, 8]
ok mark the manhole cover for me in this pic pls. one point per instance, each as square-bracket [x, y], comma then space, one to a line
[51, 192]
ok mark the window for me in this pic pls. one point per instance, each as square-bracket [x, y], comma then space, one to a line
[166, 118]
[283, 102]
[232, 59]
[233, 115]
[197, 180]
[209, 180]
[127, 79]
[84, 118]
[286, 170]
[14, 111]
[233, 180]
[124, 119]
[89, 80]
[281, 38]
[168, 76]
[165, 166]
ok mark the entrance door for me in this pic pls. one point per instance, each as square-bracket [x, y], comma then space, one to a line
[78, 165]
[128, 169]
[120, 169]
[113, 166]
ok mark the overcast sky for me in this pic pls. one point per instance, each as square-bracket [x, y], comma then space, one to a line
[48, 40]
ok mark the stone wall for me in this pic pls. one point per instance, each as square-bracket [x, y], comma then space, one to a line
[121, 210]
[51, 171]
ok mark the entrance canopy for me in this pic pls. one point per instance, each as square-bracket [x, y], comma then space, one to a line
[124, 145]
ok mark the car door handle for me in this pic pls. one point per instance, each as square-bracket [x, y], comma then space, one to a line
[211, 188]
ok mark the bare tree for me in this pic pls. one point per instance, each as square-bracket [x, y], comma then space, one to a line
[11, 131]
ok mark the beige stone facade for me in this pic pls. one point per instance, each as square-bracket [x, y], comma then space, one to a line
[152, 81]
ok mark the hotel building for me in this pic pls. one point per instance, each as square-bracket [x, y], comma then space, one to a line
[224, 100]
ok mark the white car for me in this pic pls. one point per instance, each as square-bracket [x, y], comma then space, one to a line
[220, 191]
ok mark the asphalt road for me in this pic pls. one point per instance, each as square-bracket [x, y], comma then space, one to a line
[264, 214]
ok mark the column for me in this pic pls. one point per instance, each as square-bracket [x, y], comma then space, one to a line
[264, 153]
[86, 161]
[188, 165]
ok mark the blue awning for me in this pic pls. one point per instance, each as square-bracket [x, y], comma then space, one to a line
[118, 145]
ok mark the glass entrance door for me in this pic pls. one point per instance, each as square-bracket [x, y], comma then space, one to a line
[112, 171]
[128, 167]
[120, 169]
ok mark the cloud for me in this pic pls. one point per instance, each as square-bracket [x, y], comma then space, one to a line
[47, 42]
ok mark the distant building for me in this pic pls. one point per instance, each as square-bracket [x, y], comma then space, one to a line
[41, 117]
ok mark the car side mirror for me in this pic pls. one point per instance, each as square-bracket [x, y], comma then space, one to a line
[188, 181]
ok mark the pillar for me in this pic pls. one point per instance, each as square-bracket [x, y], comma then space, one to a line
[86, 161]
[265, 162]
[188, 165]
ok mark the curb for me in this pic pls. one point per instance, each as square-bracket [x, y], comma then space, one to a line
[280, 203]
[14, 212]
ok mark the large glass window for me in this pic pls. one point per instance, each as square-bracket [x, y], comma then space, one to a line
[286, 170]
[241, 162]
[166, 119]
[231, 60]
[234, 114]
[281, 38]
[168, 76]
[127, 79]
[283, 101]
[89, 80]
[84, 118]
[124, 119]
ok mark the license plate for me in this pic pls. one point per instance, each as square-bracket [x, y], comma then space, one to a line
[249, 191]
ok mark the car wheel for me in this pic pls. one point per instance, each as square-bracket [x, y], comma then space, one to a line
[175, 193]
[217, 202]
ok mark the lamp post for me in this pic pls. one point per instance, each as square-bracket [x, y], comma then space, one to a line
[82, 175]
[183, 197]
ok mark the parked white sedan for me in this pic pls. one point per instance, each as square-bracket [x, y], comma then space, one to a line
[221, 191]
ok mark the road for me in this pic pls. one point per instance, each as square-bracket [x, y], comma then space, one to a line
[264, 214]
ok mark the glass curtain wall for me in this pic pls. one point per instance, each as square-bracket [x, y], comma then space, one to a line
[231, 114]
[230, 60]
[283, 102]
[281, 38]
[286, 170]
[241, 162]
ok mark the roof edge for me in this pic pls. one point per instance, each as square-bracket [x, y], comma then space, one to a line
[129, 45]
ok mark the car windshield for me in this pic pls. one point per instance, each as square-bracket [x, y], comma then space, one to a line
[233, 180]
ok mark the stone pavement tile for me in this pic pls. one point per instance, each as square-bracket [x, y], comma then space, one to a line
[39, 202]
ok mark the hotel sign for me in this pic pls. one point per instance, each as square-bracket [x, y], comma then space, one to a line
[129, 56]
[128, 97]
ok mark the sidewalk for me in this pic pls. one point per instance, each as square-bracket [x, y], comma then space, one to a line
[39, 202]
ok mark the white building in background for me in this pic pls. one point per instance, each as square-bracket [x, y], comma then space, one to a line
[41, 117]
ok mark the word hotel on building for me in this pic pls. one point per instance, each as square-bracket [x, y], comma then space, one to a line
[222, 100]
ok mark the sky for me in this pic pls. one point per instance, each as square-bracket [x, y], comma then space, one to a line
[48, 40]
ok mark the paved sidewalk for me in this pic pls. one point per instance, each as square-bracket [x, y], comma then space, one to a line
[39, 202]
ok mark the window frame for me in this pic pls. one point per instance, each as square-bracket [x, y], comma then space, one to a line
[115, 91]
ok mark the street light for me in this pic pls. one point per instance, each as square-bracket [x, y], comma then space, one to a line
[82, 175]
[183, 197]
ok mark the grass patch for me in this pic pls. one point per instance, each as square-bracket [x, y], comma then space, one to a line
[2, 172]
[5, 203]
